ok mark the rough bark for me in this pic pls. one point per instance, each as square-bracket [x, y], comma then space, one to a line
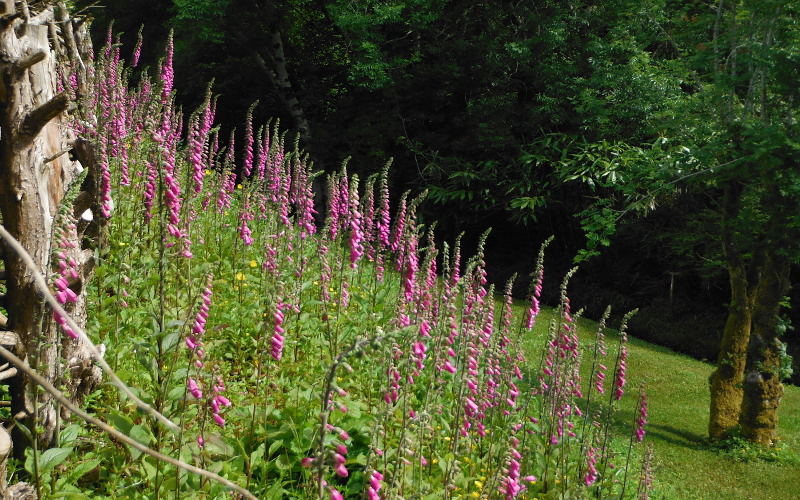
[276, 70]
[762, 382]
[34, 178]
[725, 382]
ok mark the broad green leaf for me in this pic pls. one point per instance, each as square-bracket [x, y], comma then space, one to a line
[53, 457]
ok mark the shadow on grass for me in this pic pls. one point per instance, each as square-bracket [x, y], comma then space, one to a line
[676, 436]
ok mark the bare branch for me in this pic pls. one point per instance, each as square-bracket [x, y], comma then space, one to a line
[26, 62]
[50, 298]
[35, 121]
[47, 386]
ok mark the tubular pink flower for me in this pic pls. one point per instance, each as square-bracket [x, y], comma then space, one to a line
[619, 379]
[344, 197]
[283, 198]
[333, 208]
[246, 215]
[167, 75]
[225, 194]
[218, 419]
[399, 225]
[194, 389]
[356, 234]
[137, 51]
[304, 200]
[367, 210]
[277, 334]
[533, 311]
[375, 485]
[591, 473]
[248, 142]
[263, 155]
[384, 219]
[642, 417]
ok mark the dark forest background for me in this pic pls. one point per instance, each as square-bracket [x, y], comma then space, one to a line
[594, 122]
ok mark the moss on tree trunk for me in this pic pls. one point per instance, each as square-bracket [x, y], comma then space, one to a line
[762, 382]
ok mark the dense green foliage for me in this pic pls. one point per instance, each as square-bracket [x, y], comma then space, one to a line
[542, 119]
[300, 361]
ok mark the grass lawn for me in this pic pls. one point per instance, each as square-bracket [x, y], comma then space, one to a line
[685, 466]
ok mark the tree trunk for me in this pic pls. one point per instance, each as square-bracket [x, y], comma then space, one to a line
[276, 70]
[35, 175]
[725, 382]
[762, 382]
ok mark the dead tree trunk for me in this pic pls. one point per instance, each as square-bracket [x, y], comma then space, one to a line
[35, 177]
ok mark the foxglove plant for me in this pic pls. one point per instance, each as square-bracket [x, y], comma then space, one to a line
[166, 73]
[383, 222]
[66, 237]
[304, 202]
[639, 421]
[356, 232]
[137, 50]
[622, 366]
[195, 339]
[249, 140]
[538, 279]
[451, 376]
[246, 215]
[278, 332]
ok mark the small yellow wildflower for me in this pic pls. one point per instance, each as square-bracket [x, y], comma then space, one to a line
[240, 276]
[253, 263]
[478, 484]
[238, 186]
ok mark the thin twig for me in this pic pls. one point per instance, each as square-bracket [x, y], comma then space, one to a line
[47, 386]
[48, 295]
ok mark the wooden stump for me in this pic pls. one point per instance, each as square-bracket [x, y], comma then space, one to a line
[35, 174]
[18, 491]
